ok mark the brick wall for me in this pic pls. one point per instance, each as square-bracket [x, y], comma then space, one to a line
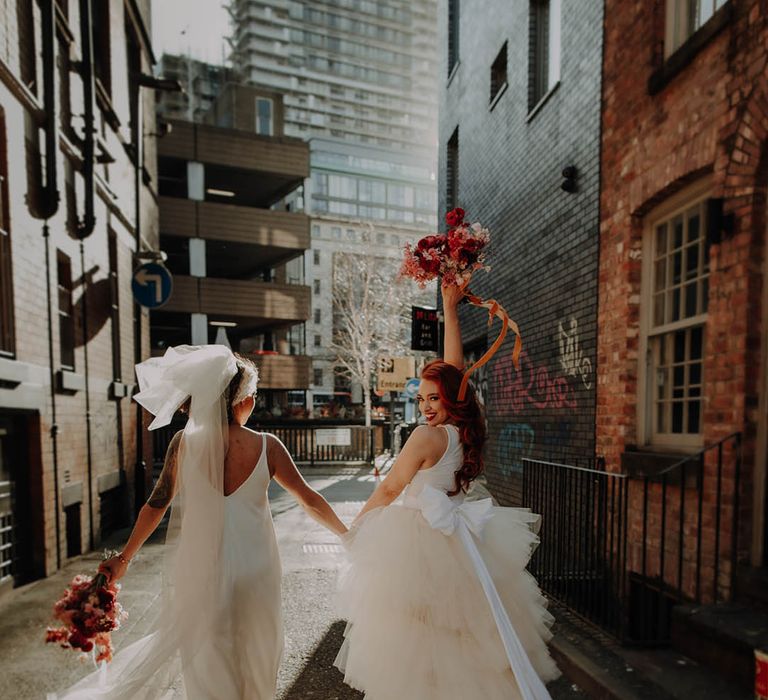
[111, 439]
[544, 248]
[708, 120]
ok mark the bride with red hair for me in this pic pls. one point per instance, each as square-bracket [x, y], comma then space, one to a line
[438, 602]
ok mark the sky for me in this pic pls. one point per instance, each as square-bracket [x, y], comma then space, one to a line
[180, 29]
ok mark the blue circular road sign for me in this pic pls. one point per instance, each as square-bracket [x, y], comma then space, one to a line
[152, 285]
[412, 388]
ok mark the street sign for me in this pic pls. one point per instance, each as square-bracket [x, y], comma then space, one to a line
[424, 329]
[412, 388]
[333, 436]
[152, 285]
[394, 372]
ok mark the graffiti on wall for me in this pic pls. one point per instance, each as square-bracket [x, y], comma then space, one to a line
[533, 386]
[517, 442]
[573, 361]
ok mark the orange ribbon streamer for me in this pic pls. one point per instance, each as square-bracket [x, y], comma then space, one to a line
[494, 310]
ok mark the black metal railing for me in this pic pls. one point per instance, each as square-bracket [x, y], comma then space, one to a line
[621, 551]
[310, 443]
[581, 560]
[325, 444]
[688, 542]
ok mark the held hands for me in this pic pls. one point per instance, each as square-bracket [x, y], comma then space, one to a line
[114, 568]
[452, 295]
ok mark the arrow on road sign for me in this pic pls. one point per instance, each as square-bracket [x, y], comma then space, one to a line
[144, 278]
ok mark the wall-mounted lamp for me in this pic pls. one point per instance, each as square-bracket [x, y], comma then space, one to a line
[569, 179]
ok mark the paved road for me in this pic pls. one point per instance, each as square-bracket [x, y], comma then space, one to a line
[311, 559]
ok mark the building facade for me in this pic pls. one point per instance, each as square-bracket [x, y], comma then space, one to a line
[358, 79]
[366, 200]
[78, 188]
[682, 318]
[202, 84]
[519, 151]
[236, 253]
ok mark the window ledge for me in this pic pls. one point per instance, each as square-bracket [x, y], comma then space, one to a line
[497, 96]
[453, 72]
[688, 51]
[70, 382]
[641, 462]
[540, 104]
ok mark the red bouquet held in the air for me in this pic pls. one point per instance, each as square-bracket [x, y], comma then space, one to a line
[453, 256]
[89, 613]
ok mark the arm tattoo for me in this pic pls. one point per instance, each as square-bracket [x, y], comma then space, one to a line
[164, 490]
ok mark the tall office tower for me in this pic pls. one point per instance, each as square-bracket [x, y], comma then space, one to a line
[360, 71]
[359, 80]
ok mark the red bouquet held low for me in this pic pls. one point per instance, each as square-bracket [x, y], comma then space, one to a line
[453, 256]
[89, 613]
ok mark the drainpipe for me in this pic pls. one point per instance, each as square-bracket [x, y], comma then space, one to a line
[86, 226]
[48, 206]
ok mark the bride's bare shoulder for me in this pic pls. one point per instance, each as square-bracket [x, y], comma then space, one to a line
[428, 437]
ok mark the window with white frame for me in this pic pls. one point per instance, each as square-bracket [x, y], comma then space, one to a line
[264, 125]
[684, 17]
[676, 290]
[544, 51]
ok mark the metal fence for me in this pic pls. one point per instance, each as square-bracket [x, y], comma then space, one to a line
[327, 444]
[621, 551]
[308, 443]
[581, 561]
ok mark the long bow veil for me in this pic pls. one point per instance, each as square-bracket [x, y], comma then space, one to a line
[193, 580]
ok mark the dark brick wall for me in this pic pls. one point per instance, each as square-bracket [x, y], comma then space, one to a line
[544, 249]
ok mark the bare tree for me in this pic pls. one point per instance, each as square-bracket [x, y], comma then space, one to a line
[371, 309]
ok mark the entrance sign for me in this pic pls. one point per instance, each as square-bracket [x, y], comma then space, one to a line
[394, 372]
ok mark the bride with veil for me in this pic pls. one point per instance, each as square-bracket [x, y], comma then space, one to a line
[220, 616]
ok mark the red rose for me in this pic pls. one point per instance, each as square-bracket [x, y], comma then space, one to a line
[455, 217]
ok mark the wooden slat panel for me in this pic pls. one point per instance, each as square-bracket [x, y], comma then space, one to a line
[247, 298]
[284, 371]
[185, 296]
[178, 217]
[180, 143]
[278, 229]
[239, 149]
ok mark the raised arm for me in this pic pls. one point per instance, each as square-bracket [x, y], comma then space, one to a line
[151, 513]
[289, 477]
[454, 352]
[417, 449]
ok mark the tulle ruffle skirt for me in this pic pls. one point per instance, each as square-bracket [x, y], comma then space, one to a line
[419, 624]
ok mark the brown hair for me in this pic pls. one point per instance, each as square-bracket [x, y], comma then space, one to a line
[466, 415]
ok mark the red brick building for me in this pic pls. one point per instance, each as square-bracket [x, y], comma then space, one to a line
[70, 331]
[682, 332]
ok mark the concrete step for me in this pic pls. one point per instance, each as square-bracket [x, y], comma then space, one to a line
[606, 670]
[722, 637]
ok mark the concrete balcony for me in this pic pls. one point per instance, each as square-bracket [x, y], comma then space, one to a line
[251, 304]
[269, 237]
[268, 165]
[283, 371]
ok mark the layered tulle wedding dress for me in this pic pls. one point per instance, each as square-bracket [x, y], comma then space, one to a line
[438, 602]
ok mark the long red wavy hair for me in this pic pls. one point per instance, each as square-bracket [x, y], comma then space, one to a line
[466, 415]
